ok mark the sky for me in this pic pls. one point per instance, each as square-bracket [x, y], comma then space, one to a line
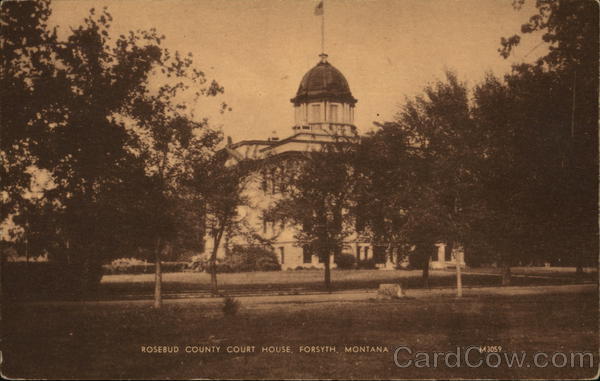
[260, 49]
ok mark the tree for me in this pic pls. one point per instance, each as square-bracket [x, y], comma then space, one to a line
[26, 54]
[385, 187]
[318, 199]
[72, 135]
[220, 187]
[507, 186]
[106, 137]
[439, 142]
[564, 116]
[171, 146]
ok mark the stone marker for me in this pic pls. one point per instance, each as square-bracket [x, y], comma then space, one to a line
[390, 291]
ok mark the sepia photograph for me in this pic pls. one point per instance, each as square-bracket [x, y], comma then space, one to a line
[299, 189]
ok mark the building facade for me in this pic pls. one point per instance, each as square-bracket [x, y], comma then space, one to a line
[324, 110]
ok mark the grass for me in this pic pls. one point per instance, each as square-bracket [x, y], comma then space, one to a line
[103, 340]
[312, 280]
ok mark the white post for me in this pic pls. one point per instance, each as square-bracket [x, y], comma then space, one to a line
[457, 261]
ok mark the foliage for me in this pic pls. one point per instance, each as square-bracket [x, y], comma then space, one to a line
[417, 174]
[115, 147]
[219, 187]
[136, 266]
[230, 306]
[240, 259]
[319, 198]
[366, 264]
[345, 261]
[550, 126]
[26, 67]
[310, 268]
[385, 173]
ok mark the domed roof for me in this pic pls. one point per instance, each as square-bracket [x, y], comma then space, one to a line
[323, 83]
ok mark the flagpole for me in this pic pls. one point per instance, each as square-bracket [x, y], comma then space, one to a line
[323, 29]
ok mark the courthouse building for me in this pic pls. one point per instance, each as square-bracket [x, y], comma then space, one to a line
[324, 109]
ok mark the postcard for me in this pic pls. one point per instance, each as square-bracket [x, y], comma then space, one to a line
[299, 189]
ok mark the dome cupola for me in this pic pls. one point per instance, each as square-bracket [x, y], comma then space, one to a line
[324, 101]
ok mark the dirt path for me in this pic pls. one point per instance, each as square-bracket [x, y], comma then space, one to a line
[346, 296]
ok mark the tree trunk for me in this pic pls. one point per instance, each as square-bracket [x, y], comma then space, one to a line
[213, 262]
[506, 275]
[425, 264]
[213, 272]
[327, 272]
[157, 276]
[459, 291]
[457, 263]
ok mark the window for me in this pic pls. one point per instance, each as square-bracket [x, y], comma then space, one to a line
[282, 253]
[306, 254]
[366, 252]
[315, 113]
[333, 113]
[358, 253]
[435, 255]
[448, 253]
[267, 225]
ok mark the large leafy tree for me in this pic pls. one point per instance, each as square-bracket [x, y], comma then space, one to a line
[508, 186]
[219, 188]
[26, 47]
[103, 118]
[559, 103]
[318, 199]
[444, 156]
[385, 188]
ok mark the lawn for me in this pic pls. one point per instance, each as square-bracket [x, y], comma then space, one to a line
[104, 340]
[312, 280]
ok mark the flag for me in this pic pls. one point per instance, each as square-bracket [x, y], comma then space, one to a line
[319, 9]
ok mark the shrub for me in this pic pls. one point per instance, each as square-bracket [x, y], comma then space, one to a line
[239, 259]
[367, 264]
[252, 258]
[230, 306]
[224, 267]
[136, 266]
[199, 262]
[307, 268]
[267, 264]
[345, 261]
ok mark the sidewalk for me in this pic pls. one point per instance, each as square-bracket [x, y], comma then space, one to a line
[347, 296]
